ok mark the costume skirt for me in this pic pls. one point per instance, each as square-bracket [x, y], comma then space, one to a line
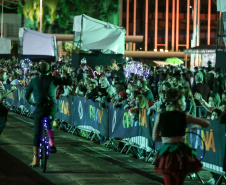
[176, 158]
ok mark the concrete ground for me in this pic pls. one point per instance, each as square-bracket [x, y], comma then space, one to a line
[77, 162]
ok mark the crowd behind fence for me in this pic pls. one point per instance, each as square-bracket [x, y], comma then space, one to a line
[115, 123]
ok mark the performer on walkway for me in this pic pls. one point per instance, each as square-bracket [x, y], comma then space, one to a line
[175, 159]
[44, 92]
[3, 109]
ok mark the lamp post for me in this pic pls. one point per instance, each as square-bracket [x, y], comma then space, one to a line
[40, 16]
[2, 20]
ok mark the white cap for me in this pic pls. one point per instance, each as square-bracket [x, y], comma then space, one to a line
[83, 61]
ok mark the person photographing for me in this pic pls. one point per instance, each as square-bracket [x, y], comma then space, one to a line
[43, 88]
[3, 95]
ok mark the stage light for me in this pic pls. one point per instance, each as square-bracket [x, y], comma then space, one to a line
[155, 50]
[161, 50]
[166, 50]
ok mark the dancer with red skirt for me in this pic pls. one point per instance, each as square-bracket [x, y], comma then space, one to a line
[175, 159]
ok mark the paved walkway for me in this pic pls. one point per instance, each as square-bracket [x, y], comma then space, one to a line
[78, 161]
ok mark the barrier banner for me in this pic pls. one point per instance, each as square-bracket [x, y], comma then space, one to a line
[121, 125]
[13, 98]
[214, 137]
[80, 111]
[21, 96]
[65, 109]
[89, 113]
[27, 105]
[8, 99]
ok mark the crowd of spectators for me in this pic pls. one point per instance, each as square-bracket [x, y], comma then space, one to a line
[106, 84]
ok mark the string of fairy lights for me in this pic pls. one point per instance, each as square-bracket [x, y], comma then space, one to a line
[137, 68]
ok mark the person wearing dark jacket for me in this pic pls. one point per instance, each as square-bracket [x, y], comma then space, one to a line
[120, 74]
[43, 88]
[92, 91]
[218, 84]
[203, 89]
[109, 77]
[142, 84]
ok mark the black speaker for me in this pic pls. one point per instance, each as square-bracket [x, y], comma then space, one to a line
[220, 59]
[5, 56]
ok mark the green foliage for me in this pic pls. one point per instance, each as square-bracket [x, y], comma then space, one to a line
[31, 9]
[58, 15]
[105, 10]
[69, 47]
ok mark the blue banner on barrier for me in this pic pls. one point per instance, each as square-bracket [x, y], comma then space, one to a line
[121, 125]
[21, 96]
[15, 97]
[9, 99]
[214, 137]
[89, 113]
[65, 109]
[79, 109]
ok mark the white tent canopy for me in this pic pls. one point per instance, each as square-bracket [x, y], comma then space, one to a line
[5, 46]
[36, 43]
[94, 34]
[221, 5]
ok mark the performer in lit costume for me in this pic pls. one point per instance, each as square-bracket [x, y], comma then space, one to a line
[175, 159]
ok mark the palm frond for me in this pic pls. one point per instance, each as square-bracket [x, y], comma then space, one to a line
[52, 5]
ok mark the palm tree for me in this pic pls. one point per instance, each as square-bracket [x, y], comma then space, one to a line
[31, 9]
[105, 10]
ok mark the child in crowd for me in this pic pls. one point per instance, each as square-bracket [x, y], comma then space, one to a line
[122, 98]
[132, 99]
[140, 103]
[114, 65]
[81, 89]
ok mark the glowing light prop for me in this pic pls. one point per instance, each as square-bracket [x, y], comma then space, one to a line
[25, 66]
[136, 68]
